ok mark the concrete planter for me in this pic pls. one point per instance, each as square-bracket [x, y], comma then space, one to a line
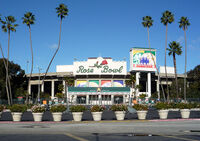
[77, 116]
[141, 114]
[185, 113]
[37, 116]
[174, 110]
[57, 116]
[16, 116]
[163, 114]
[120, 115]
[97, 116]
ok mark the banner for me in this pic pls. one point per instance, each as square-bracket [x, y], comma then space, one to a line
[118, 83]
[93, 83]
[106, 83]
[143, 59]
[81, 83]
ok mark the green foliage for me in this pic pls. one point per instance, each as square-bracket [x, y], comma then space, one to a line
[173, 105]
[20, 92]
[167, 17]
[131, 81]
[184, 23]
[119, 107]
[18, 108]
[8, 24]
[142, 96]
[62, 11]
[1, 108]
[97, 108]
[78, 108]
[140, 107]
[184, 105]
[59, 95]
[60, 88]
[17, 78]
[44, 95]
[147, 21]
[175, 48]
[38, 109]
[69, 81]
[58, 108]
[29, 106]
[28, 19]
[161, 105]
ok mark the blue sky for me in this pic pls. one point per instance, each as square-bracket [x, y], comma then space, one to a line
[107, 28]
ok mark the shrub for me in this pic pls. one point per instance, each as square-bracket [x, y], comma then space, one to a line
[172, 105]
[78, 108]
[119, 107]
[161, 105]
[58, 108]
[1, 108]
[97, 108]
[18, 108]
[59, 95]
[142, 96]
[38, 109]
[184, 105]
[140, 107]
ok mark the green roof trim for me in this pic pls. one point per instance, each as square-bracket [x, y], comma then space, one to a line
[142, 48]
[94, 89]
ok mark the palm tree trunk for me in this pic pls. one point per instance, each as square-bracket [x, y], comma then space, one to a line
[31, 64]
[7, 70]
[174, 58]
[7, 91]
[54, 54]
[185, 81]
[166, 64]
[156, 66]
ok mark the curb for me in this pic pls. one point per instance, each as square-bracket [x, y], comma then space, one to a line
[102, 121]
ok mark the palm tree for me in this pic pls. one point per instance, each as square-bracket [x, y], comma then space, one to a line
[9, 26]
[29, 19]
[148, 22]
[62, 12]
[175, 49]
[166, 18]
[131, 82]
[184, 23]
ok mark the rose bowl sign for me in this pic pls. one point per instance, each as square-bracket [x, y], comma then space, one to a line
[142, 59]
[99, 66]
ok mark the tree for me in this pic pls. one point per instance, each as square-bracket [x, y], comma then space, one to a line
[62, 11]
[17, 77]
[29, 19]
[9, 26]
[184, 23]
[175, 49]
[69, 81]
[166, 18]
[148, 22]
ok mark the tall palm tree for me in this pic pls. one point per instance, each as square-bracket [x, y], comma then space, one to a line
[29, 19]
[175, 49]
[184, 23]
[9, 26]
[167, 18]
[62, 11]
[148, 22]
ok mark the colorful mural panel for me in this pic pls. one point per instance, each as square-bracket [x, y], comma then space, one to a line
[118, 83]
[81, 83]
[93, 83]
[144, 59]
[106, 83]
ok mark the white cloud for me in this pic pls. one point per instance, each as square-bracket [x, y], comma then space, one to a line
[53, 46]
[180, 39]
